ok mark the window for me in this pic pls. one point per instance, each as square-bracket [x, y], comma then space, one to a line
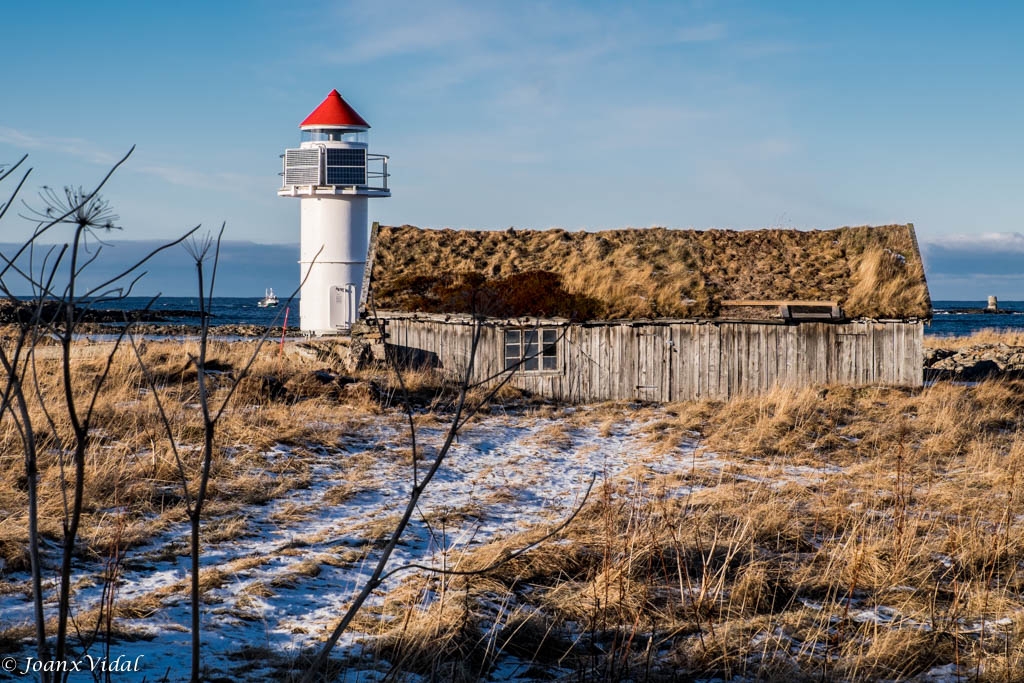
[531, 350]
[334, 135]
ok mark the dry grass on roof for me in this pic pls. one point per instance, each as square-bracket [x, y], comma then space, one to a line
[647, 273]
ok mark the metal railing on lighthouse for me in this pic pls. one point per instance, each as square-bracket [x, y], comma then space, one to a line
[332, 167]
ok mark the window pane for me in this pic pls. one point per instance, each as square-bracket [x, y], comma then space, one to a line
[512, 349]
[550, 362]
[530, 363]
[550, 336]
[531, 336]
[531, 350]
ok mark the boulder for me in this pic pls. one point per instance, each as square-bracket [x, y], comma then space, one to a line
[974, 363]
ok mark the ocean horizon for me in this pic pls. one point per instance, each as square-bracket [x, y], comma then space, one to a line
[950, 317]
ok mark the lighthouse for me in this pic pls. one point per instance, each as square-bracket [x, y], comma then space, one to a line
[333, 175]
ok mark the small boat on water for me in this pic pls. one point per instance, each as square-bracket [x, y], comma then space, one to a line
[269, 300]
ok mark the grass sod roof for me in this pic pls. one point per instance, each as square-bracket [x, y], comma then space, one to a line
[872, 272]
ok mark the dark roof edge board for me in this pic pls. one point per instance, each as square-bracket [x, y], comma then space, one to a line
[367, 271]
[467, 319]
[924, 276]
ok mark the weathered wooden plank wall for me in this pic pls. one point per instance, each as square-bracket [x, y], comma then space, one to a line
[678, 361]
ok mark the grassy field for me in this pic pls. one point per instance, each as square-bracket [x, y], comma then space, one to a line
[832, 533]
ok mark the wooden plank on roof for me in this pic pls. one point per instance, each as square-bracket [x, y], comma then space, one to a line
[776, 302]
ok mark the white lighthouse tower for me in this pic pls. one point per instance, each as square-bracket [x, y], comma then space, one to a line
[333, 175]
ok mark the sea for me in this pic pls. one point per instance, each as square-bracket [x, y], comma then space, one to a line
[961, 318]
[224, 310]
[950, 318]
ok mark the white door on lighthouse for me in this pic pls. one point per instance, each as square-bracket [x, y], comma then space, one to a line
[343, 305]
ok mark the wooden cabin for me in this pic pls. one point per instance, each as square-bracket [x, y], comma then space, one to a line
[653, 314]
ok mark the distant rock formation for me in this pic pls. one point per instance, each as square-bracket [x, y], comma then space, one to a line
[15, 311]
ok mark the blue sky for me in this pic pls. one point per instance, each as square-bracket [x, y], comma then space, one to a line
[583, 115]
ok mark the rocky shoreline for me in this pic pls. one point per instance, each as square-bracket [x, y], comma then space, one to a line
[181, 330]
[14, 311]
[974, 363]
[952, 362]
[146, 323]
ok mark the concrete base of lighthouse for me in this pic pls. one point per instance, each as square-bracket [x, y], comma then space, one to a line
[332, 259]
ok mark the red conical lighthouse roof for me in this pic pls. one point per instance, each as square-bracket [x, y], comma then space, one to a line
[334, 112]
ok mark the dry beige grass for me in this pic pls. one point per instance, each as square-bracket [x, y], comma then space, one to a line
[979, 338]
[833, 534]
[872, 272]
[132, 486]
[768, 554]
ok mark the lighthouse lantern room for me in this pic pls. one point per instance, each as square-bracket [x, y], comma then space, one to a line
[333, 174]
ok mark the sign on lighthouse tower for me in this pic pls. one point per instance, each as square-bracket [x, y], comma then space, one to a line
[333, 174]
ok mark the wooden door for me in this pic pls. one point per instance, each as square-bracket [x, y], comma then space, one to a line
[651, 364]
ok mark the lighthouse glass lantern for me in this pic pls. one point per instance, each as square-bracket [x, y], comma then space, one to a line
[333, 175]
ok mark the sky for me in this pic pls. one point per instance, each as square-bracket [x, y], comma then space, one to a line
[581, 115]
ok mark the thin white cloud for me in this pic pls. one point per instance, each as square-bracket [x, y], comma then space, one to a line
[996, 242]
[174, 175]
[76, 147]
[773, 148]
[756, 49]
[662, 125]
[703, 33]
[19, 139]
[460, 42]
[189, 177]
[381, 31]
[505, 146]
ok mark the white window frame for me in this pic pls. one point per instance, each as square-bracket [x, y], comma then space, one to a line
[530, 349]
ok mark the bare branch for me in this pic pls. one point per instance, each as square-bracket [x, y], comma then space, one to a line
[137, 264]
[4, 173]
[378, 574]
[10, 200]
[165, 421]
[44, 227]
[262, 340]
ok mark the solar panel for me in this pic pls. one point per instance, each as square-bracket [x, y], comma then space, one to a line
[341, 166]
[346, 166]
[346, 175]
[346, 157]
